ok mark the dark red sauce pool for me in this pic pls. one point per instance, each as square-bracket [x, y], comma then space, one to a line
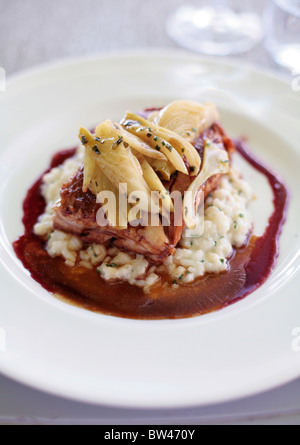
[249, 266]
[266, 250]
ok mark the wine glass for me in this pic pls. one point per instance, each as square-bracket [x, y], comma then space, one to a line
[282, 24]
[215, 29]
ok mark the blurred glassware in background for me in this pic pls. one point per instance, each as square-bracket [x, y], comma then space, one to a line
[215, 29]
[282, 25]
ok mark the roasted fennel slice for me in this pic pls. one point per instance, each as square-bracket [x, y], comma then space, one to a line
[173, 146]
[116, 161]
[187, 118]
[155, 183]
[90, 173]
[130, 139]
[215, 161]
[163, 168]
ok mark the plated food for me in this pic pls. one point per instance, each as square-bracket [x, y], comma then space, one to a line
[149, 217]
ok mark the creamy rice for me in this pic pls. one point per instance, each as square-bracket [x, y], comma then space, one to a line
[52, 183]
[225, 223]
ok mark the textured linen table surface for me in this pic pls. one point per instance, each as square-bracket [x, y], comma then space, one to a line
[38, 31]
[35, 32]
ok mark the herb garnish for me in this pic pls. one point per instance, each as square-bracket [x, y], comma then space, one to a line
[84, 140]
[129, 123]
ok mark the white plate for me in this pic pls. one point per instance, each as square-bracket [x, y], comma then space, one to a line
[239, 351]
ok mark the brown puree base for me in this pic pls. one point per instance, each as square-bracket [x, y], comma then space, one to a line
[249, 267]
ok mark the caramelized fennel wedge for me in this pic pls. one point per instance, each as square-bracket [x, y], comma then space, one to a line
[140, 152]
[163, 168]
[215, 161]
[116, 161]
[164, 141]
[186, 118]
[155, 183]
[128, 138]
[90, 173]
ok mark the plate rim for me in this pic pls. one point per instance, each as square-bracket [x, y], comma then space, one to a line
[143, 52]
[60, 63]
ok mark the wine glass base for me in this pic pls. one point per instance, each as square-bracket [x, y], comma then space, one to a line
[285, 55]
[214, 32]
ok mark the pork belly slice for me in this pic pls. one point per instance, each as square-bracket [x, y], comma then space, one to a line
[76, 212]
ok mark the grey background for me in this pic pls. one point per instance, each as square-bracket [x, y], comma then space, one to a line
[38, 31]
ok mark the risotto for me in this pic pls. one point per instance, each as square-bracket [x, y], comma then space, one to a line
[149, 218]
[225, 224]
